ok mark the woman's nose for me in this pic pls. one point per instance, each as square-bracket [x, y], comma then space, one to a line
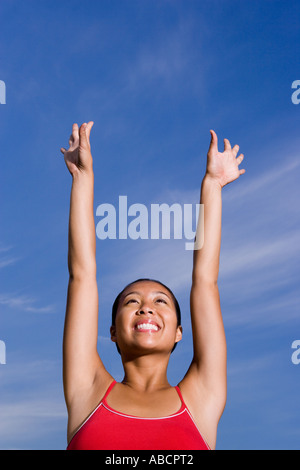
[145, 310]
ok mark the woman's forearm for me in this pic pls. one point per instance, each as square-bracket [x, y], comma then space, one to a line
[206, 259]
[82, 238]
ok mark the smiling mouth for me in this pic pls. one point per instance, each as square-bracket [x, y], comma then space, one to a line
[145, 327]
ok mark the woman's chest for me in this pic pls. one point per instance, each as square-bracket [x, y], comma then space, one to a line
[144, 405]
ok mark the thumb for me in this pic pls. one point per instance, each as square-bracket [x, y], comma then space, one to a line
[213, 147]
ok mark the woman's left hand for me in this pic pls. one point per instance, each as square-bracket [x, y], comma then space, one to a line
[223, 167]
[78, 157]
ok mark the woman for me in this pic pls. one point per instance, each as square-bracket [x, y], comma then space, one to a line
[143, 411]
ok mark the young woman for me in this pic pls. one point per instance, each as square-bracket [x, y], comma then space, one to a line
[143, 411]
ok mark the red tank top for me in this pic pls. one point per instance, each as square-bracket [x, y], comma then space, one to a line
[108, 429]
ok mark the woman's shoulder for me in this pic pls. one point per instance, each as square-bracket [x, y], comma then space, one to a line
[86, 400]
[200, 405]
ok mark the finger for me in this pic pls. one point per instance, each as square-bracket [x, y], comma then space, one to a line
[75, 132]
[242, 171]
[227, 145]
[240, 158]
[63, 150]
[82, 135]
[88, 129]
[71, 140]
[213, 147]
[235, 150]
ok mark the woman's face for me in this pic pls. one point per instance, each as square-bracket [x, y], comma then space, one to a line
[146, 320]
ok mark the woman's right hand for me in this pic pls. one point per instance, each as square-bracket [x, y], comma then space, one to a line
[78, 157]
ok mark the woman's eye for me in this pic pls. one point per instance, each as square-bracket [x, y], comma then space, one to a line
[136, 301]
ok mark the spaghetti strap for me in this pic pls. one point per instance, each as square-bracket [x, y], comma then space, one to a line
[109, 390]
[181, 397]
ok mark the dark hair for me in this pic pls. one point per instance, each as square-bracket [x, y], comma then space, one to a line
[117, 300]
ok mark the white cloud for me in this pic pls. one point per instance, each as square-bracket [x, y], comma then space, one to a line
[24, 302]
[164, 60]
[39, 411]
[266, 181]
[6, 260]
[15, 300]
[27, 421]
[260, 255]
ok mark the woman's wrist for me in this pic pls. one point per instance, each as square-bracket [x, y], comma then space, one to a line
[214, 182]
[85, 176]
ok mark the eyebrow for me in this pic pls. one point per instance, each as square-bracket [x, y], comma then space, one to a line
[155, 292]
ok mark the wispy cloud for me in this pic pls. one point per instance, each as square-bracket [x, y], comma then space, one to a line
[257, 369]
[15, 300]
[5, 259]
[275, 175]
[39, 411]
[259, 262]
[23, 302]
[30, 420]
[166, 59]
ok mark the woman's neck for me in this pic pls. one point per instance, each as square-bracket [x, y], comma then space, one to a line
[146, 373]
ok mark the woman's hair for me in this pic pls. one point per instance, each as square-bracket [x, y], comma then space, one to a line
[117, 300]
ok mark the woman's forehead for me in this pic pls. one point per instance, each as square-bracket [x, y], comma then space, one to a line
[141, 287]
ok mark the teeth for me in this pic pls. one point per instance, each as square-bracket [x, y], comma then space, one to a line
[147, 326]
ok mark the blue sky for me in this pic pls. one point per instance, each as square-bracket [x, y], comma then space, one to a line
[154, 76]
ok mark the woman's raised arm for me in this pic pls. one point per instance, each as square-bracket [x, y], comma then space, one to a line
[205, 382]
[82, 366]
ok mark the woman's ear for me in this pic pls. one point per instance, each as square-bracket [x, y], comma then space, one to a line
[178, 334]
[113, 335]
